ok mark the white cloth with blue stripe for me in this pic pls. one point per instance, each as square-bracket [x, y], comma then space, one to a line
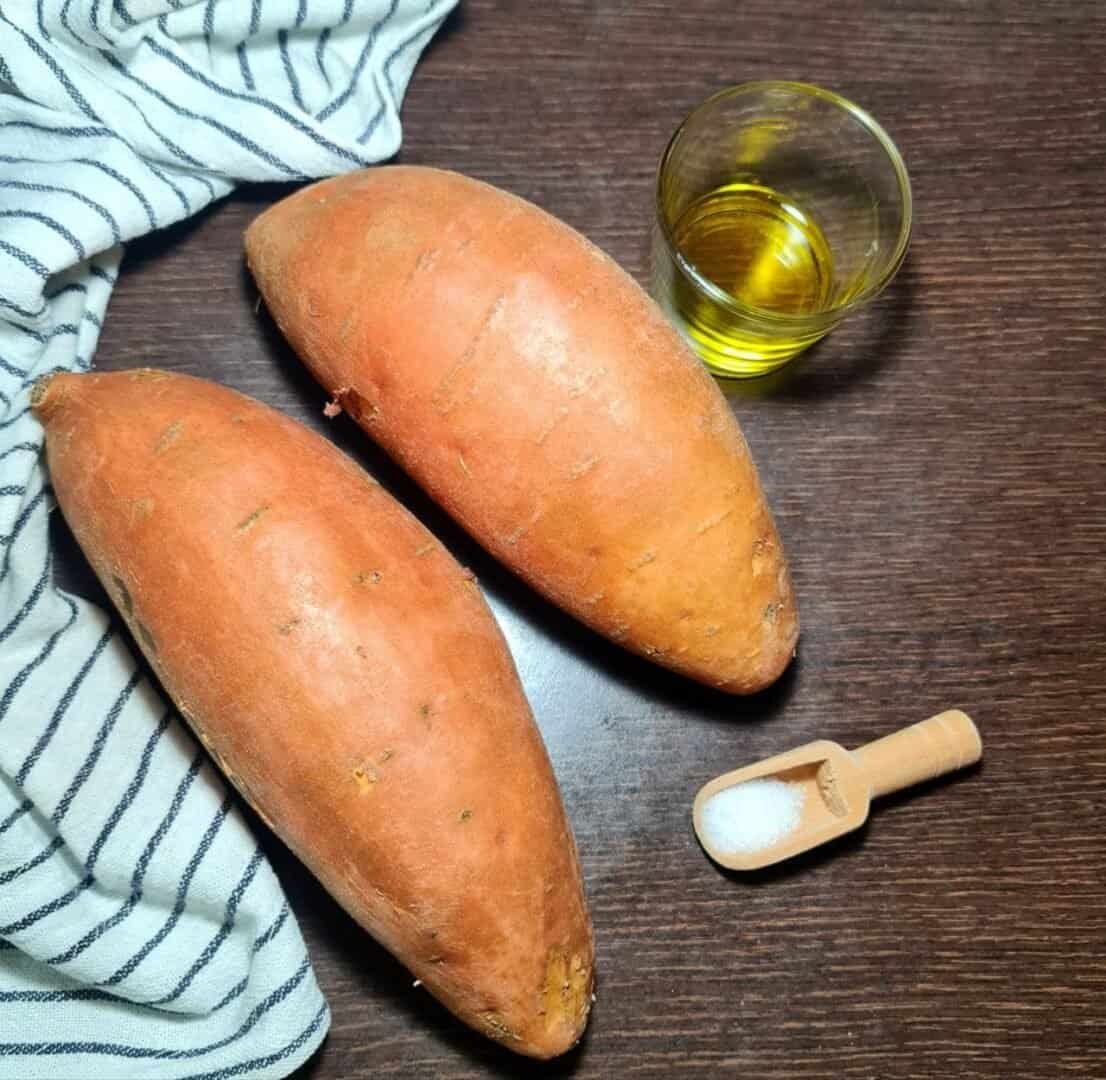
[142, 932]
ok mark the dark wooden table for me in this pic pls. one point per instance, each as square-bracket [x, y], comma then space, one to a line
[937, 470]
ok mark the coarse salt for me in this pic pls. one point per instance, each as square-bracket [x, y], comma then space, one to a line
[751, 816]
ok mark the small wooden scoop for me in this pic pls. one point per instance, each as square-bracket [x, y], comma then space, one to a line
[820, 791]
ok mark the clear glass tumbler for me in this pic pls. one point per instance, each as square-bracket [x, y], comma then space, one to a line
[781, 208]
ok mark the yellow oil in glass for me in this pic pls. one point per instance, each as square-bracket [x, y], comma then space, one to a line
[761, 249]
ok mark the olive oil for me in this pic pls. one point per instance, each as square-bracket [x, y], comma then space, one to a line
[768, 263]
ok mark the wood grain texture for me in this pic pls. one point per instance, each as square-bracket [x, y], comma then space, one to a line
[937, 469]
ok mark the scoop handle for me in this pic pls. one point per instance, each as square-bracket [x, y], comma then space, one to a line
[936, 746]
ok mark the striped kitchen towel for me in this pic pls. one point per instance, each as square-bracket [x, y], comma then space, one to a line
[142, 931]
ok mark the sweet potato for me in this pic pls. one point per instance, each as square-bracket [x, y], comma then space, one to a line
[539, 395]
[347, 676]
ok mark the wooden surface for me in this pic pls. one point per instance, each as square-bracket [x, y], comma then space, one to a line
[937, 470]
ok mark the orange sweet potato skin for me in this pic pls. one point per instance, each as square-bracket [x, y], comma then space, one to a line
[348, 677]
[540, 396]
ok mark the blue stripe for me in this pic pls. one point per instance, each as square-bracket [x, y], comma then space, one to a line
[6, 75]
[40, 338]
[139, 874]
[51, 908]
[244, 65]
[255, 17]
[129, 795]
[14, 816]
[320, 48]
[286, 60]
[97, 749]
[301, 13]
[74, 132]
[50, 223]
[11, 306]
[183, 787]
[41, 23]
[66, 700]
[209, 21]
[96, 22]
[234, 136]
[359, 68]
[159, 1053]
[5, 945]
[37, 996]
[11, 369]
[120, 808]
[120, 8]
[221, 935]
[33, 599]
[127, 183]
[271, 106]
[268, 1059]
[17, 528]
[272, 931]
[23, 446]
[74, 94]
[324, 37]
[260, 942]
[21, 185]
[38, 860]
[59, 331]
[8, 423]
[82, 132]
[17, 683]
[235, 991]
[169, 145]
[392, 57]
[65, 22]
[102, 274]
[178, 907]
[10, 489]
[24, 257]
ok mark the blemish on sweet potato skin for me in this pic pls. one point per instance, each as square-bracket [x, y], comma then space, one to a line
[169, 436]
[566, 991]
[146, 636]
[251, 519]
[123, 594]
[141, 509]
[366, 778]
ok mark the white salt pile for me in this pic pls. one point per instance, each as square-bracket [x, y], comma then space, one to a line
[751, 816]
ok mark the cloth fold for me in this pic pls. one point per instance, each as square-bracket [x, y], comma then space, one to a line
[142, 931]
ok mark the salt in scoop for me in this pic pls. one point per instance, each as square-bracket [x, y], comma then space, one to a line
[792, 802]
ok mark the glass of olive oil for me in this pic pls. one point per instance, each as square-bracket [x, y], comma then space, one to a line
[781, 208]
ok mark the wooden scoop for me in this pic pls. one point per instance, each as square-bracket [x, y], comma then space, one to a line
[821, 790]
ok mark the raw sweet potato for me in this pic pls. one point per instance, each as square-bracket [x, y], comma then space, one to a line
[347, 676]
[540, 396]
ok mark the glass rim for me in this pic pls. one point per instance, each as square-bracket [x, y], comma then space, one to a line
[861, 116]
